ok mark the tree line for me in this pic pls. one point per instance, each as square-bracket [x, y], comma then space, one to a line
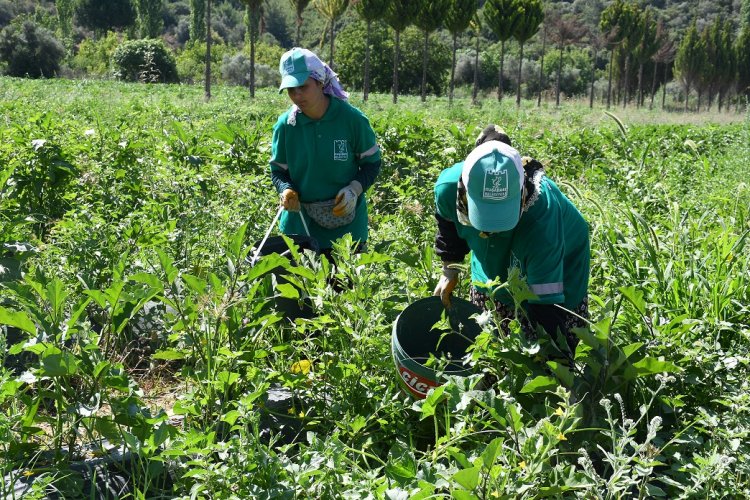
[631, 44]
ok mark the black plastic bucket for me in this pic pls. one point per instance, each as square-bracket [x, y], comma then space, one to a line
[276, 244]
[290, 308]
[413, 341]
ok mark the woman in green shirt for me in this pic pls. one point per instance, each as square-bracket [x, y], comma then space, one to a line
[505, 211]
[324, 154]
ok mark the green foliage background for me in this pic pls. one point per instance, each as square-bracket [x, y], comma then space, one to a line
[146, 198]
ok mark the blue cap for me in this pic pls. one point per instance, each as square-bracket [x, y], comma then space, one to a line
[493, 176]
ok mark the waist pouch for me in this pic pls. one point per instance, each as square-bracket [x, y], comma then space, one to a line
[322, 213]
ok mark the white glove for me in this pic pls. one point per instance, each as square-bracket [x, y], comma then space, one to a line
[447, 283]
[346, 199]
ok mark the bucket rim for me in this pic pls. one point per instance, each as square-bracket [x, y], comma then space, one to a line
[406, 356]
[415, 359]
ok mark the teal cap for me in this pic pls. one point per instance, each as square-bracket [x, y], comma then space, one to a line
[296, 66]
[493, 177]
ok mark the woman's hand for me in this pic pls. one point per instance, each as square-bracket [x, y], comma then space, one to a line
[290, 200]
[447, 283]
[346, 199]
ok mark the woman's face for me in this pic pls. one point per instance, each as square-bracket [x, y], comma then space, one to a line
[308, 96]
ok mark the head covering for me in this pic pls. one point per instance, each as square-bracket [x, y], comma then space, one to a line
[493, 177]
[492, 133]
[298, 64]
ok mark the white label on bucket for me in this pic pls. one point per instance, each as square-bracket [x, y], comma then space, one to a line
[415, 382]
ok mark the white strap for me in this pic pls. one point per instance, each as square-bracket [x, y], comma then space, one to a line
[304, 223]
[268, 233]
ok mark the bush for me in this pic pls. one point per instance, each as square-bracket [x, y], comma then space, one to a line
[576, 72]
[30, 51]
[145, 60]
[191, 65]
[268, 54]
[235, 70]
[94, 56]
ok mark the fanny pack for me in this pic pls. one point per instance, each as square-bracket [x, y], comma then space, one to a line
[322, 213]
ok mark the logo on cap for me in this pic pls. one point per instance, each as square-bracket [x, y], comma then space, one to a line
[495, 184]
[289, 65]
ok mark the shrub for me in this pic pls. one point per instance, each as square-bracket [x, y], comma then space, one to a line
[145, 60]
[266, 53]
[94, 56]
[29, 50]
[235, 70]
[191, 62]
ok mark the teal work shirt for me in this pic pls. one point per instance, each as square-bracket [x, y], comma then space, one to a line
[322, 156]
[550, 244]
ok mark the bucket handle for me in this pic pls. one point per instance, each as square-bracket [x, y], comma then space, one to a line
[304, 223]
[268, 233]
[270, 228]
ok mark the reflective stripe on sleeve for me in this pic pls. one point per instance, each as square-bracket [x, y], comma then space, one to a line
[283, 166]
[547, 288]
[370, 152]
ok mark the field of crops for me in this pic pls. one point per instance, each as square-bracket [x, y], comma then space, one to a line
[137, 339]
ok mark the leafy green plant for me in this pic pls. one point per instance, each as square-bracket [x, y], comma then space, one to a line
[147, 61]
[39, 173]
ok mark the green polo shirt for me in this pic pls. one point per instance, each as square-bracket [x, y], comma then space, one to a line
[550, 244]
[322, 156]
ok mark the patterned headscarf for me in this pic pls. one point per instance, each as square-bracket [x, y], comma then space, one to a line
[318, 71]
[330, 81]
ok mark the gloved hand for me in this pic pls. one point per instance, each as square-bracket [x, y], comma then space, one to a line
[346, 199]
[447, 283]
[290, 200]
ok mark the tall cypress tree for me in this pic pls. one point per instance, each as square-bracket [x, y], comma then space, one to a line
[150, 22]
[502, 16]
[457, 19]
[742, 55]
[719, 59]
[253, 15]
[630, 24]
[332, 10]
[299, 7]
[615, 22]
[399, 14]
[728, 69]
[428, 18]
[690, 60]
[646, 47]
[565, 30]
[197, 20]
[664, 55]
[745, 14]
[369, 11]
[531, 15]
[65, 16]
